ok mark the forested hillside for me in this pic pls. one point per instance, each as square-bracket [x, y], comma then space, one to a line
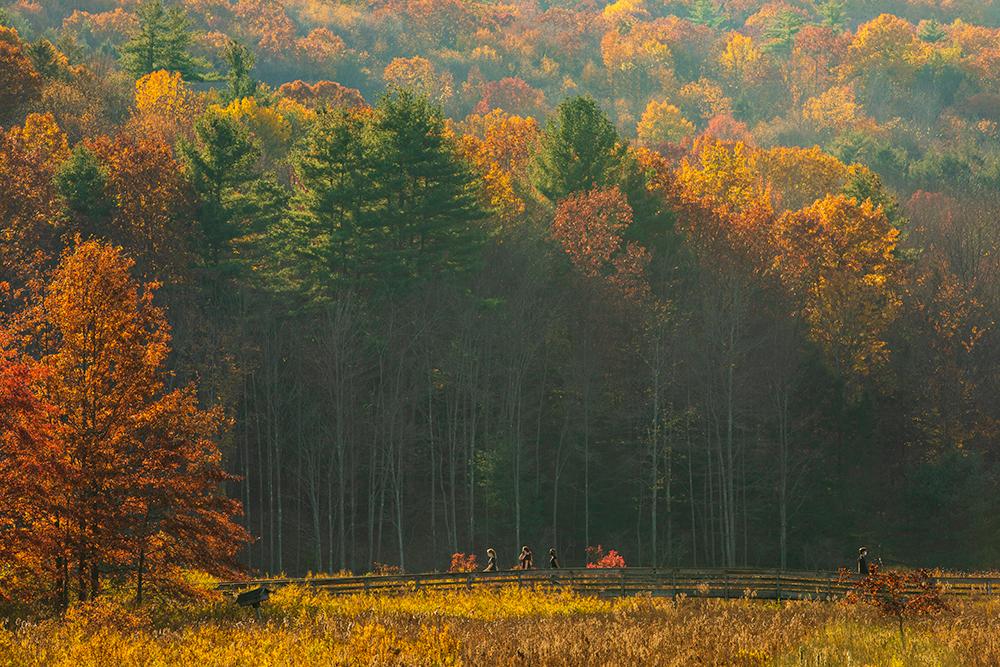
[708, 283]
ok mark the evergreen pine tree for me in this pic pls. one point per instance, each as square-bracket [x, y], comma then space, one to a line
[161, 43]
[240, 81]
[780, 32]
[833, 14]
[333, 216]
[428, 195]
[580, 149]
[82, 182]
[384, 203]
[222, 161]
[706, 12]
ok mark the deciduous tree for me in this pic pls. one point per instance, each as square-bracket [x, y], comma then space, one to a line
[141, 468]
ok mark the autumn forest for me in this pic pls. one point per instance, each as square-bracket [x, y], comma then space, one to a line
[314, 286]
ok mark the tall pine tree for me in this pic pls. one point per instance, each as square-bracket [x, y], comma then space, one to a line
[384, 204]
[222, 161]
[240, 80]
[580, 150]
[428, 195]
[161, 43]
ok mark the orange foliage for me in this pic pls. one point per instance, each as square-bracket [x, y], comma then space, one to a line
[837, 259]
[598, 559]
[800, 176]
[590, 227]
[112, 26]
[23, 434]
[726, 128]
[321, 47]
[513, 95]
[322, 93]
[463, 563]
[419, 74]
[29, 206]
[19, 82]
[500, 146]
[138, 471]
[152, 203]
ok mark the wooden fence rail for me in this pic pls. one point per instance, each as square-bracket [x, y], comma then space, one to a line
[672, 582]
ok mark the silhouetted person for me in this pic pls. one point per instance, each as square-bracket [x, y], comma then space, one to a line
[524, 560]
[491, 560]
[553, 561]
[863, 567]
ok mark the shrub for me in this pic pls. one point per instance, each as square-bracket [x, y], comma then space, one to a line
[596, 558]
[463, 563]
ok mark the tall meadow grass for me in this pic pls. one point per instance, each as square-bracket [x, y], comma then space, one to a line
[513, 626]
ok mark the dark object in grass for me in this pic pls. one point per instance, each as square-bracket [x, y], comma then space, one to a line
[253, 598]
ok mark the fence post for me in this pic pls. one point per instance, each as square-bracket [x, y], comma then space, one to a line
[778, 579]
[623, 582]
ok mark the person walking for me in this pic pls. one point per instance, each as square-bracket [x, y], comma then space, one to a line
[553, 561]
[491, 560]
[863, 565]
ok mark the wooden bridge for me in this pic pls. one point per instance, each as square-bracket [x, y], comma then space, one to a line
[704, 583]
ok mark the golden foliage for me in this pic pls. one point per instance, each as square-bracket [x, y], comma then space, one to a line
[837, 258]
[267, 124]
[419, 74]
[504, 627]
[837, 110]
[29, 206]
[499, 146]
[800, 176]
[661, 123]
[164, 106]
[724, 176]
[741, 59]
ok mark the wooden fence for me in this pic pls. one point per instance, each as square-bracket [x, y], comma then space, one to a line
[705, 583]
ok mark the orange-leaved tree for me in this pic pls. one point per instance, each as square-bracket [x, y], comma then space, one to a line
[499, 146]
[30, 211]
[591, 227]
[897, 595]
[19, 82]
[837, 257]
[140, 487]
[24, 453]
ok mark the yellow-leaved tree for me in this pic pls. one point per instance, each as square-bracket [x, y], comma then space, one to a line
[662, 123]
[837, 258]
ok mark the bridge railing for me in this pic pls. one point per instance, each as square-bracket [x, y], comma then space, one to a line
[669, 582]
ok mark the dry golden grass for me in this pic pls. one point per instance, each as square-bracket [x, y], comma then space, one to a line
[509, 627]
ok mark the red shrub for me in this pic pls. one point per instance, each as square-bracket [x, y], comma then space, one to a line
[598, 559]
[463, 563]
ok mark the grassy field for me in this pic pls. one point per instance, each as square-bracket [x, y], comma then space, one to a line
[509, 627]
